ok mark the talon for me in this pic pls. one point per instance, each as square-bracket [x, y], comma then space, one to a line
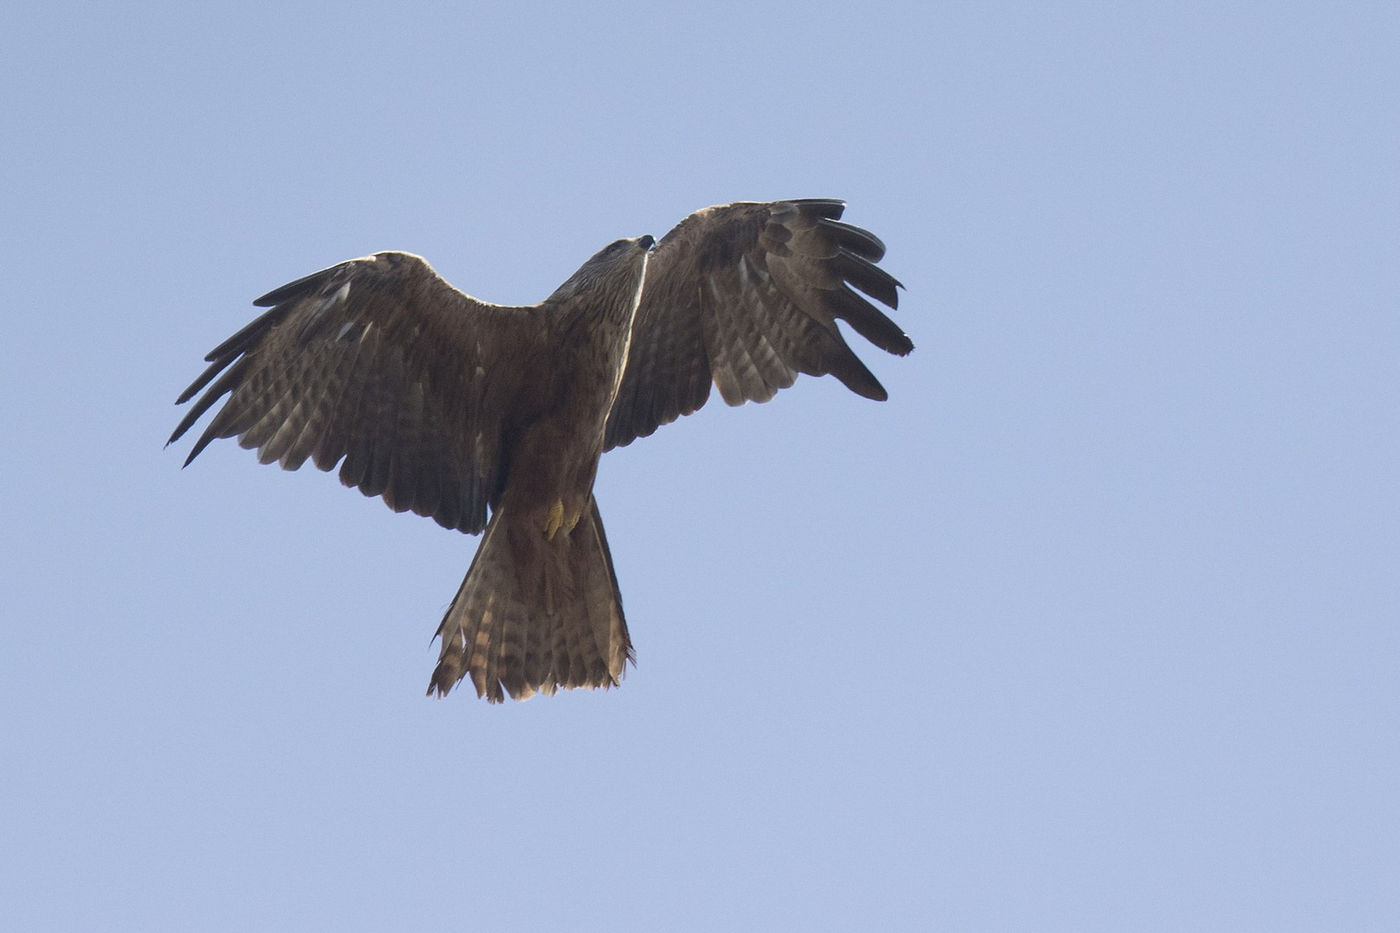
[572, 522]
[554, 520]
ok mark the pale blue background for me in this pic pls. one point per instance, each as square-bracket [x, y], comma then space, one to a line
[1092, 626]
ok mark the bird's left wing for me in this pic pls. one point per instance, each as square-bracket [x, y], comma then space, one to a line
[379, 365]
[746, 296]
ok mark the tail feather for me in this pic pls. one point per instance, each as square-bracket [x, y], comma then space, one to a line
[534, 615]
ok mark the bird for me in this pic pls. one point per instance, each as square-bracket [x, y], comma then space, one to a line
[493, 418]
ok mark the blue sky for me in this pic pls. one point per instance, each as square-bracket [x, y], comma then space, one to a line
[1092, 626]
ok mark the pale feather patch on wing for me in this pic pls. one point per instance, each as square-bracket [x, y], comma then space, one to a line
[770, 360]
[351, 330]
[318, 308]
[746, 365]
[341, 294]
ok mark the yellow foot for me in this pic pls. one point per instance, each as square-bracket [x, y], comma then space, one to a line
[554, 520]
[558, 519]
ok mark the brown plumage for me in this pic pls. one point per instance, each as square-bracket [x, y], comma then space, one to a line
[487, 417]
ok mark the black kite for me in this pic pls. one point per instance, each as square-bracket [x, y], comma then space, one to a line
[459, 409]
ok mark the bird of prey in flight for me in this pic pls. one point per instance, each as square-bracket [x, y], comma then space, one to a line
[492, 418]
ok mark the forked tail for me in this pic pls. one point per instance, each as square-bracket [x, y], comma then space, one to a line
[534, 615]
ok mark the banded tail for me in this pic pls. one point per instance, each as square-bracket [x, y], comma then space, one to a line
[534, 615]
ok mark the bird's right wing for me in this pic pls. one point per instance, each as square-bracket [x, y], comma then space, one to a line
[379, 365]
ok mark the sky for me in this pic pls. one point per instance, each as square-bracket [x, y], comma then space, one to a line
[1090, 626]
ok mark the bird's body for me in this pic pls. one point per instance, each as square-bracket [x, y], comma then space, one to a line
[537, 562]
[459, 409]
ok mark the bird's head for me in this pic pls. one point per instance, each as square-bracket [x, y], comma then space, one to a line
[614, 272]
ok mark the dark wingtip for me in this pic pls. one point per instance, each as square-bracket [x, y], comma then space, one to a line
[204, 441]
[866, 276]
[867, 321]
[843, 363]
[182, 427]
[291, 290]
[856, 239]
[310, 283]
[824, 208]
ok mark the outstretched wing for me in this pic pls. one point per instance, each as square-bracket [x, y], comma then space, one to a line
[747, 296]
[379, 365]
